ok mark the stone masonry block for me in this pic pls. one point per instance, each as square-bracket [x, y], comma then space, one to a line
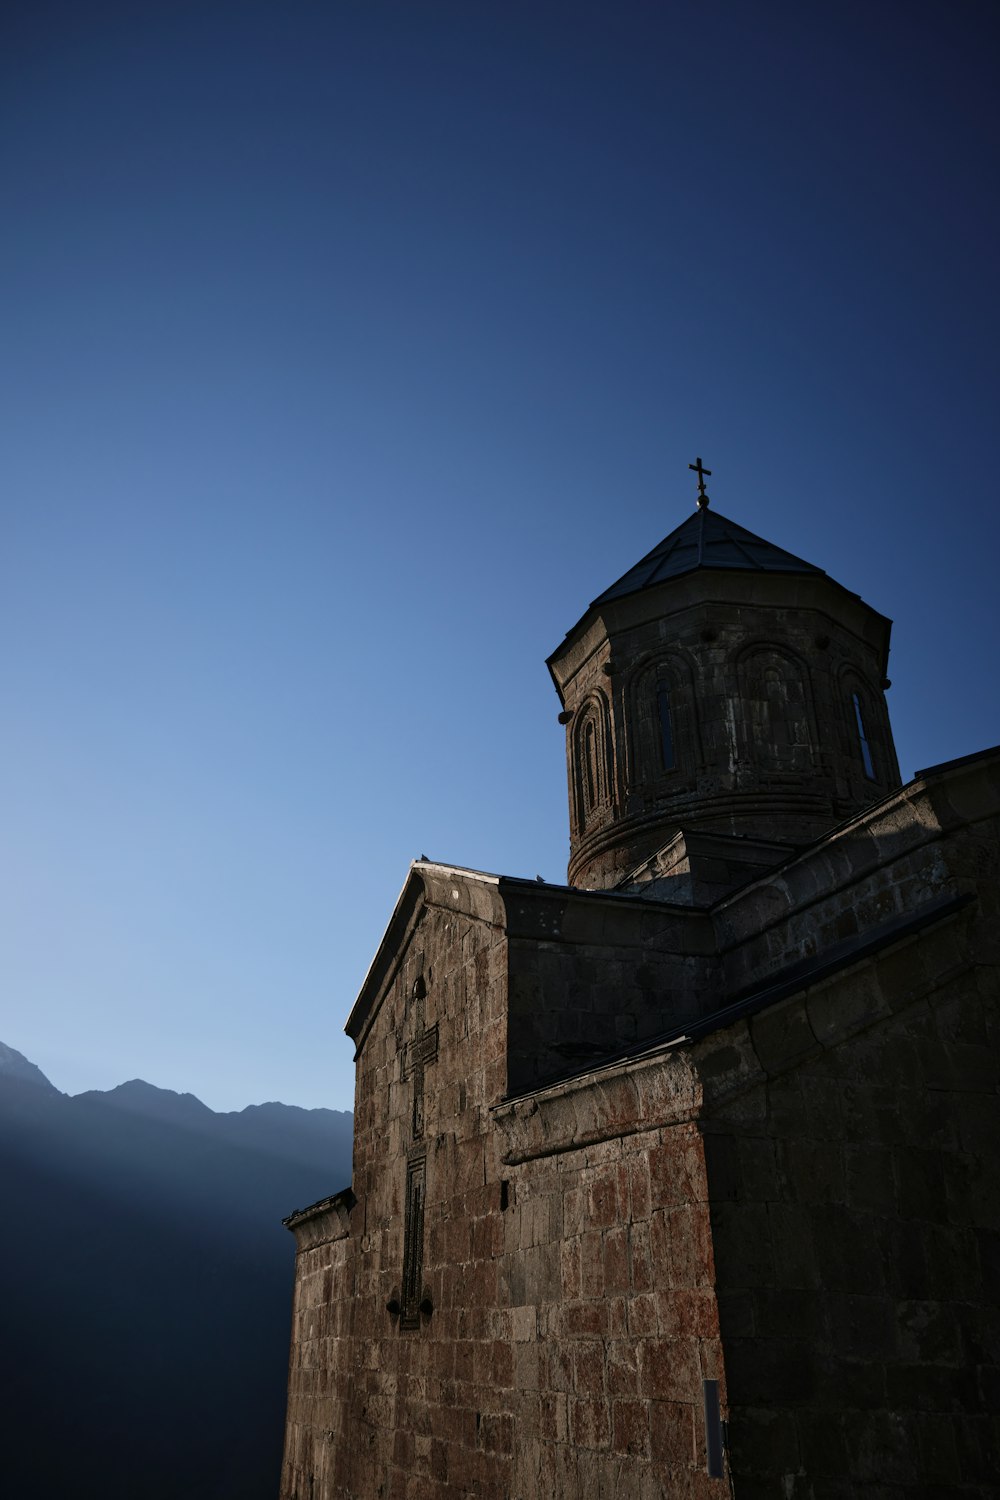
[813, 1170]
[677, 1170]
[928, 1332]
[782, 1036]
[672, 1434]
[757, 1169]
[764, 1440]
[584, 1319]
[616, 1261]
[592, 1264]
[786, 1312]
[822, 1444]
[639, 1187]
[630, 1427]
[606, 1198]
[939, 1463]
[721, 1166]
[847, 1250]
[640, 1258]
[771, 1372]
[920, 1191]
[883, 1447]
[669, 1370]
[642, 1317]
[588, 1367]
[589, 1422]
[746, 1240]
[863, 1327]
[686, 1314]
[869, 1179]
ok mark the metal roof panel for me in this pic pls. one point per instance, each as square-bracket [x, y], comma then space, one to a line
[706, 540]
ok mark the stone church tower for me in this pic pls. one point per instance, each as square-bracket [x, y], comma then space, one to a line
[694, 691]
[679, 1180]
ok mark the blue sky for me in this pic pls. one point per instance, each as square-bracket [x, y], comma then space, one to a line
[348, 351]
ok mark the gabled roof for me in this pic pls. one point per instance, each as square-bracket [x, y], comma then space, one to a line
[706, 540]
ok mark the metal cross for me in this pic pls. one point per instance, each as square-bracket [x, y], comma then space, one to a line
[701, 471]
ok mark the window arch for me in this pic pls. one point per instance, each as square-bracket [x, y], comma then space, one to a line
[659, 702]
[665, 724]
[777, 710]
[865, 745]
[590, 762]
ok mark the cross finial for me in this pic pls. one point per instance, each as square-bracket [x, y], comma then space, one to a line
[701, 471]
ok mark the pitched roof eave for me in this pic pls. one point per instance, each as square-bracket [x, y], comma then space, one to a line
[393, 941]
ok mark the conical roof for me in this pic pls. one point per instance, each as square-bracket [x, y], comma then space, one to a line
[705, 540]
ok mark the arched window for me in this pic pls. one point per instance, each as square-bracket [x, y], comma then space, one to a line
[589, 762]
[667, 756]
[863, 730]
[659, 705]
[778, 717]
[863, 745]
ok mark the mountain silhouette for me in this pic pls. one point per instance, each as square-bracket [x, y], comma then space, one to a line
[16, 1065]
[145, 1322]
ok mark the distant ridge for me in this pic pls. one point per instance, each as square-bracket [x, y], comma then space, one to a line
[145, 1236]
[281, 1130]
[142, 1098]
[15, 1065]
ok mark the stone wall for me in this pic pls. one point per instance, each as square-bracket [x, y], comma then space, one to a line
[856, 1226]
[376, 1409]
[609, 1273]
[801, 1204]
[591, 975]
[851, 1135]
[570, 1316]
[855, 1217]
[321, 1362]
[890, 862]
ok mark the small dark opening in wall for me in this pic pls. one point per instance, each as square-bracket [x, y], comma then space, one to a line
[866, 754]
[590, 764]
[504, 1194]
[666, 728]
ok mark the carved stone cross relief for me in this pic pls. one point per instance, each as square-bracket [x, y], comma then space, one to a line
[417, 1054]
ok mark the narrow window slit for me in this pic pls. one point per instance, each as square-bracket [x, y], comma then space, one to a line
[866, 754]
[666, 729]
[590, 764]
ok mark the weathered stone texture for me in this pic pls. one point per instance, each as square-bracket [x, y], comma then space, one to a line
[569, 1269]
[762, 670]
[855, 1211]
[736, 1120]
[608, 1263]
[374, 1410]
[802, 1204]
[592, 975]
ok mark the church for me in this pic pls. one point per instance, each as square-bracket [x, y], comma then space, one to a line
[680, 1179]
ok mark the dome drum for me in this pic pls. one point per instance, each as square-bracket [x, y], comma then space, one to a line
[737, 701]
